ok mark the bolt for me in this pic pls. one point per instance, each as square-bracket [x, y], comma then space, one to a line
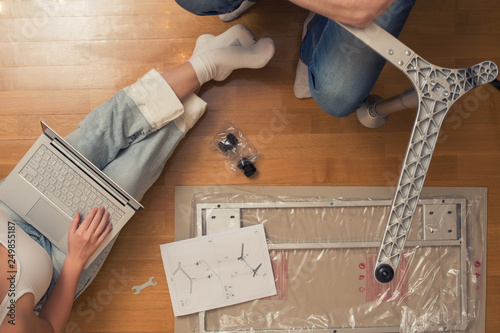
[408, 52]
[229, 143]
[446, 94]
[391, 52]
[400, 63]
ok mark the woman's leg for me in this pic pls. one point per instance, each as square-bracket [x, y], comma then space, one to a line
[137, 167]
[156, 100]
[342, 69]
[132, 136]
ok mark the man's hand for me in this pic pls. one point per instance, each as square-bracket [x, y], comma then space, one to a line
[358, 13]
[84, 238]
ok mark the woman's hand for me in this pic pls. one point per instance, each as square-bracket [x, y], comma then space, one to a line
[84, 238]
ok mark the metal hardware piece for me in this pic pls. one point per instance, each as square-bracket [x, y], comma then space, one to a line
[221, 220]
[437, 89]
[440, 222]
[150, 282]
[442, 238]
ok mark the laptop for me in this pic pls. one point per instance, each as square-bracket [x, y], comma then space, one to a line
[53, 181]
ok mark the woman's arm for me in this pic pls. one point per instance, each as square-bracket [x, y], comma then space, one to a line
[358, 13]
[83, 240]
[26, 321]
[58, 306]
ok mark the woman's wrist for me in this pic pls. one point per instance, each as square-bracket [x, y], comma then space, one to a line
[74, 264]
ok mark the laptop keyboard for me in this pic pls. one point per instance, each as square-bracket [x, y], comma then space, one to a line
[65, 187]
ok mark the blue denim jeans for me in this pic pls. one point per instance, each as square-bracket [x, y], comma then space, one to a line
[210, 7]
[130, 137]
[342, 70]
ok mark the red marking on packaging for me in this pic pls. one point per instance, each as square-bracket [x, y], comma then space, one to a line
[279, 261]
[477, 286]
[362, 266]
[395, 290]
[361, 277]
[361, 289]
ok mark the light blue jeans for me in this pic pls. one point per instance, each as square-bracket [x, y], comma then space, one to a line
[130, 137]
[342, 70]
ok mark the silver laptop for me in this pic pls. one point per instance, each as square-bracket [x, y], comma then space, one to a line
[53, 181]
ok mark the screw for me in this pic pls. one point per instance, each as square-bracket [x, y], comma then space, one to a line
[391, 52]
[432, 83]
[446, 94]
[408, 52]
[400, 63]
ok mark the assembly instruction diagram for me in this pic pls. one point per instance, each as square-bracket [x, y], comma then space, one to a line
[218, 270]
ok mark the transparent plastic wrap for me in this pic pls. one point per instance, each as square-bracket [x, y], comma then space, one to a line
[323, 252]
[241, 154]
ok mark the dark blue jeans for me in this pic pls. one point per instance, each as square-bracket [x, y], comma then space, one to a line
[342, 70]
[210, 7]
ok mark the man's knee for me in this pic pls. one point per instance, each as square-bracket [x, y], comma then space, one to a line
[207, 7]
[196, 7]
[336, 109]
[338, 100]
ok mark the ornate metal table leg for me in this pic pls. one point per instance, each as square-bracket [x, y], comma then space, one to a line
[437, 89]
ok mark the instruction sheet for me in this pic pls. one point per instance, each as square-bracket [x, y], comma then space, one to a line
[218, 270]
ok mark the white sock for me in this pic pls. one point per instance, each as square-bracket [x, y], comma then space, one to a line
[236, 13]
[218, 64]
[301, 87]
[237, 35]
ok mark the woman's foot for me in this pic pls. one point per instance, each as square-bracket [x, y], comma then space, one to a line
[237, 35]
[218, 64]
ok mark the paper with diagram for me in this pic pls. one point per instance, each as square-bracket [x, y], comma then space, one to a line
[218, 270]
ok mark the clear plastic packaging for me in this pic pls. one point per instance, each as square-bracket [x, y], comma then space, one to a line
[241, 154]
[323, 252]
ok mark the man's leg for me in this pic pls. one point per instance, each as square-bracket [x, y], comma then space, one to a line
[245, 5]
[342, 69]
[211, 7]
